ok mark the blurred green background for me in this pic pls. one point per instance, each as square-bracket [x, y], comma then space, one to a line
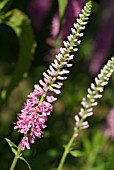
[25, 53]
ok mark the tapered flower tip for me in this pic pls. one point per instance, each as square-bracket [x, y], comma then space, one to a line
[89, 3]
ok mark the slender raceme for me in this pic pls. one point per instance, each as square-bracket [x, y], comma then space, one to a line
[38, 105]
[94, 93]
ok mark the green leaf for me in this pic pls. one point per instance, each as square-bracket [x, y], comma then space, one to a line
[11, 144]
[76, 153]
[62, 10]
[14, 150]
[23, 159]
[87, 146]
[4, 4]
[21, 25]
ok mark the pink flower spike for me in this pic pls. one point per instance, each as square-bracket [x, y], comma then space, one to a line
[38, 105]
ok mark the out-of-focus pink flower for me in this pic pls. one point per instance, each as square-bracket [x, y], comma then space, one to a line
[104, 39]
[73, 10]
[37, 10]
[109, 126]
[55, 25]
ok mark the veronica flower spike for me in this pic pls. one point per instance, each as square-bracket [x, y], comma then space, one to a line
[94, 93]
[38, 105]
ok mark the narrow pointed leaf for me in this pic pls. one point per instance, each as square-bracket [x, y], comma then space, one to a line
[14, 150]
[23, 159]
[11, 144]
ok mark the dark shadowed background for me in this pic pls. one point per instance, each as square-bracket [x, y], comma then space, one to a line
[31, 33]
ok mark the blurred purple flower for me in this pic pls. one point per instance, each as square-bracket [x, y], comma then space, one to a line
[55, 25]
[37, 10]
[104, 39]
[73, 10]
[109, 126]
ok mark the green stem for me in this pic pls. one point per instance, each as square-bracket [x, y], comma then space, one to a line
[65, 153]
[15, 158]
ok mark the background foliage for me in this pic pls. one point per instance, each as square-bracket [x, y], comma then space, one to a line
[25, 52]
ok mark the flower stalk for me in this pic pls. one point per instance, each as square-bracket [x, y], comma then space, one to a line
[66, 152]
[94, 93]
[17, 155]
